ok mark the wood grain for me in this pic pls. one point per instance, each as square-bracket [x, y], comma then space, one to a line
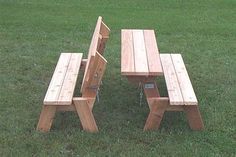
[153, 57]
[140, 55]
[92, 51]
[127, 52]
[156, 113]
[85, 114]
[46, 118]
[194, 117]
[172, 83]
[185, 84]
[100, 36]
[68, 87]
[57, 80]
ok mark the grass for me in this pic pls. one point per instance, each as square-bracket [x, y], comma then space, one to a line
[32, 35]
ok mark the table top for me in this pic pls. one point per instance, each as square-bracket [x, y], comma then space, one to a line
[139, 53]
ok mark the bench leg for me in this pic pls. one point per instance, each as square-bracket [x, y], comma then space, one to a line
[85, 114]
[157, 110]
[46, 118]
[194, 117]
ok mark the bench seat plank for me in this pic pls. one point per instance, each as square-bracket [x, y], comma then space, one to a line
[57, 79]
[61, 88]
[172, 84]
[185, 84]
[67, 90]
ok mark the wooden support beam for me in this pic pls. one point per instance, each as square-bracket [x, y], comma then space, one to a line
[63, 108]
[46, 118]
[175, 108]
[151, 91]
[194, 117]
[85, 114]
[90, 101]
[140, 79]
[157, 110]
[159, 105]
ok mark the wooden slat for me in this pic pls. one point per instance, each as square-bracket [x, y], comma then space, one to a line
[140, 56]
[127, 52]
[172, 83]
[95, 38]
[185, 84]
[67, 90]
[96, 74]
[57, 79]
[99, 69]
[154, 62]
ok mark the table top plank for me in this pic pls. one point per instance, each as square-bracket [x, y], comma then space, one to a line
[186, 87]
[140, 55]
[154, 62]
[172, 83]
[127, 55]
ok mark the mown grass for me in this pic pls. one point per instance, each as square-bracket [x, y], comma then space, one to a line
[32, 35]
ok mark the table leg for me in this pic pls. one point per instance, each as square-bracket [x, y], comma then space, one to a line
[157, 106]
[151, 91]
[157, 110]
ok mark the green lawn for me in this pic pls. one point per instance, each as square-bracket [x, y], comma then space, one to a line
[33, 33]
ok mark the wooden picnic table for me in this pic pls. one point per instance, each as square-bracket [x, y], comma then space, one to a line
[141, 63]
[140, 60]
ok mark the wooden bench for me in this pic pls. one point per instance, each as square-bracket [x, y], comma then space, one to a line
[60, 93]
[181, 96]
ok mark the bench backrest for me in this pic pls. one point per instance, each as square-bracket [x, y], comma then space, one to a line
[96, 63]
